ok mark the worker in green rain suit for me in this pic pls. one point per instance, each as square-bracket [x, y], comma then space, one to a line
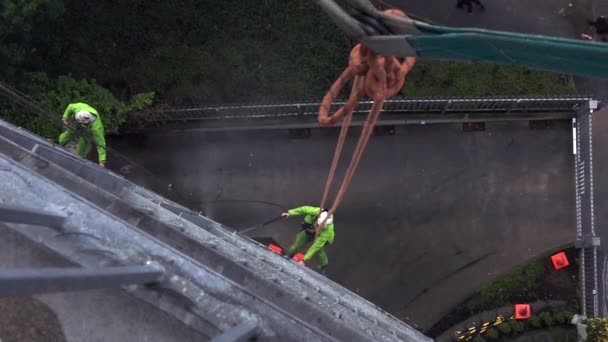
[84, 121]
[312, 216]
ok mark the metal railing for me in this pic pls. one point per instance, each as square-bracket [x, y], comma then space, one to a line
[586, 237]
[504, 105]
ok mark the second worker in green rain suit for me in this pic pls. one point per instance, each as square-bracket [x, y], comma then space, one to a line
[84, 122]
[312, 216]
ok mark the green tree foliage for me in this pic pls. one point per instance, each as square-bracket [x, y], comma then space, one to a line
[21, 15]
[201, 52]
[597, 329]
[191, 51]
[244, 52]
[26, 33]
[55, 94]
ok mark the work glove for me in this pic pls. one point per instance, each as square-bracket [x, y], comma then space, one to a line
[284, 215]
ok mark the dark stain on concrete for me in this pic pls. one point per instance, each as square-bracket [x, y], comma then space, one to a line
[445, 277]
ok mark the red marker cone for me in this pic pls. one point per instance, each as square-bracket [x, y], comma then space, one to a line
[275, 248]
[559, 260]
[522, 311]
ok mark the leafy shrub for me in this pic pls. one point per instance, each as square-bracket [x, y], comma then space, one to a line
[547, 318]
[478, 338]
[597, 329]
[492, 334]
[535, 322]
[517, 327]
[495, 294]
[432, 78]
[562, 317]
[504, 328]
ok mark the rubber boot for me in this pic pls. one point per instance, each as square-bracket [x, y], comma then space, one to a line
[323, 270]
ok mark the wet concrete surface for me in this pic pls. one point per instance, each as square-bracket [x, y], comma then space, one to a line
[433, 214]
[28, 319]
[94, 315]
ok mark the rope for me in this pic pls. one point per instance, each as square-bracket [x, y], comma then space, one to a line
[373, 75]
[340, 144]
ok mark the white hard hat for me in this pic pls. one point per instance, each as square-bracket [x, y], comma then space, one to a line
[322, 217]
[84, 117]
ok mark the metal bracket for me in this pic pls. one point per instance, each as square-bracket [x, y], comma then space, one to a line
[240, 333]
[29, 281]
[32, 217]
[587, 107]
[587, 241]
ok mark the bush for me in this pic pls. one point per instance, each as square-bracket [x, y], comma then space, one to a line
[504, 328]
[54, 96]
[534, 272]
[437, 78]
[496, 294]
[535, 322]
[478, 338]
[563, 317]
[517, 327]
[547, 318]
[597, 329]
[492, 334]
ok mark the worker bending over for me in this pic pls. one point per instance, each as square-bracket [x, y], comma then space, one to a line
[84, 121]
[312, 216]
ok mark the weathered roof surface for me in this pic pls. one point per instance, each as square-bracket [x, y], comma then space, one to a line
[215, 279]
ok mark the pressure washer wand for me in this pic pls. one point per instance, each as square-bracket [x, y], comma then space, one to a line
[260, 225]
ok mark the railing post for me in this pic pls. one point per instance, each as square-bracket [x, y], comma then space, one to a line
[28, 216]
[446, 106]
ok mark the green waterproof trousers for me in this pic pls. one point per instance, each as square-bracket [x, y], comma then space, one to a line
[302, 239]
[83, 146]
